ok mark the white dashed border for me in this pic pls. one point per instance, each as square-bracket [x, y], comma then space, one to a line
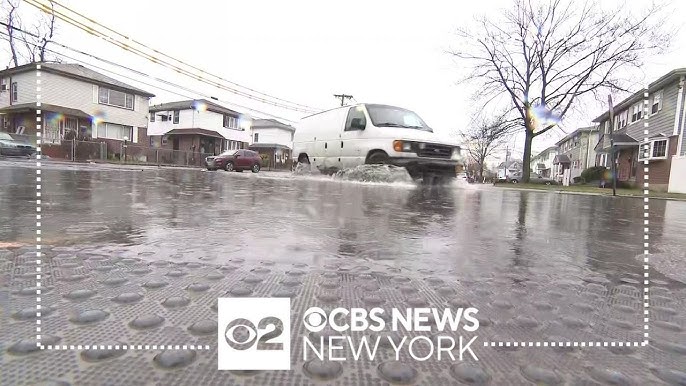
[646, 267]
[39, 261]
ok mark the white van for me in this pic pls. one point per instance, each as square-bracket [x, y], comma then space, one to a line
[349, 136]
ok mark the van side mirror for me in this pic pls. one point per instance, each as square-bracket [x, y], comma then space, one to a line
[357, 124]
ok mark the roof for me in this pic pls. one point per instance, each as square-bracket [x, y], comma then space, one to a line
[561, 159]
[271, 123]
[669, 77]
[77, 71]
[548, 150]
[188, 105]
[195, 131]
[575, 132]
[619, 139]
[27, 107]
[268, 146]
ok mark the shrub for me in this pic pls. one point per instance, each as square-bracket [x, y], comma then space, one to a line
[594, 173]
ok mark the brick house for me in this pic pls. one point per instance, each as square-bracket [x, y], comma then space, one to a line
[576, 152]
[665, 114]
[274, 141]
[196, 129]
[77, 103]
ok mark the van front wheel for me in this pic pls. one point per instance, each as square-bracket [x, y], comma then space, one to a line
[377, 158]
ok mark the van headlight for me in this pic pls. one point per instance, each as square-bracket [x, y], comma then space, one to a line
[402, 146]
[457, 154]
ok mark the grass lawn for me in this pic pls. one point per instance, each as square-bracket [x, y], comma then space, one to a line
[592, 190]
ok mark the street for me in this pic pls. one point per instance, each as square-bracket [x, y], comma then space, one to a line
[139, 255]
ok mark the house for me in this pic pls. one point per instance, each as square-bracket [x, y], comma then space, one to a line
[76, 102]
[664, 114]
[576, 152]
[542, 163]
[509, 168]
[274, 141]
[196, 129]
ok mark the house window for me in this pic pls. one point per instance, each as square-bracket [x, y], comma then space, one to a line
[257, 136]
[164, 118]
[175, 116]
[152, 117]
[114, 131]
[623, 118]
[657, 102]
[231, 122]
[15, 92]
[657, 149]
[115, 98]
[637, 114]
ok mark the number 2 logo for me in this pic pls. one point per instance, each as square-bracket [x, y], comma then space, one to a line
[241, 334]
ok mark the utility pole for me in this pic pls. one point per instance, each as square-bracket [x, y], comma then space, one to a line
[343, 97]
[613, 166]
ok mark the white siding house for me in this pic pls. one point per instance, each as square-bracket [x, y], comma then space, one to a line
[274, 141]
[75, 101]
[197, 125]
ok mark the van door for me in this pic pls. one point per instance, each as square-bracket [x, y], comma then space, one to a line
[351, 145]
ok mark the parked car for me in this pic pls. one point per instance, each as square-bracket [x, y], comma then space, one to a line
[14, 147]
[534, 178]
[235, 160]
[349, 136]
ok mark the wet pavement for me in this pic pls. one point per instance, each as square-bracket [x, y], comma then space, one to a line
[138, 256]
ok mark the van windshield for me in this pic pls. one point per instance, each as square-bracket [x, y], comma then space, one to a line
[390, 116]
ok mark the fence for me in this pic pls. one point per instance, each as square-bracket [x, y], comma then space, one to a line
[116, 151]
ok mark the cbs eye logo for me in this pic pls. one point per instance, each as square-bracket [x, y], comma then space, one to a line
[315, 319]
[254, 333]
[241, 334]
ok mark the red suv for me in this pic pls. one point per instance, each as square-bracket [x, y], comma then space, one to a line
[235, 160]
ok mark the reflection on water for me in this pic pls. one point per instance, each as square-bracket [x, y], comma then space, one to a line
[215, 216]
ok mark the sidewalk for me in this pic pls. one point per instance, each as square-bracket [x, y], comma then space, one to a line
[591, 191]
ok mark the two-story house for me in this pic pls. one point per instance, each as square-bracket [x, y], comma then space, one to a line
[198, 127]
[76, 103]
[274, 141]
[664, 115]
[576, 152]
[542, 163]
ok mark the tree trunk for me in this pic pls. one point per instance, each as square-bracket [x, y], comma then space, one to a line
[526, 162]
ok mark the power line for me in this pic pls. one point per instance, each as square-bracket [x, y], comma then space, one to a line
[126, 46]
[129, 39]
[143, 74]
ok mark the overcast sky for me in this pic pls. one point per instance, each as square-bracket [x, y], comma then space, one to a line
[391, 52]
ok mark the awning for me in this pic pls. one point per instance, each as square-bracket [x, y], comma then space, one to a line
[621, 141]
[541, 167]
[204, 132]
[561, 159]
[268, 146]
[29, 107]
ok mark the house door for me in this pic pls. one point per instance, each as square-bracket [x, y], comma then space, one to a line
[175, 143]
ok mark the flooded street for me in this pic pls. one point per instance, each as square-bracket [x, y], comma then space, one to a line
[139, 257]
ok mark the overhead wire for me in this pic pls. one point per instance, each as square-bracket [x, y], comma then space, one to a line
[195, 92]
[126, 46]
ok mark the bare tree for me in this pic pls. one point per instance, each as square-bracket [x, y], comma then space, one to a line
[28, 45]
[543, 56]
[10, 7]
[485, 136]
